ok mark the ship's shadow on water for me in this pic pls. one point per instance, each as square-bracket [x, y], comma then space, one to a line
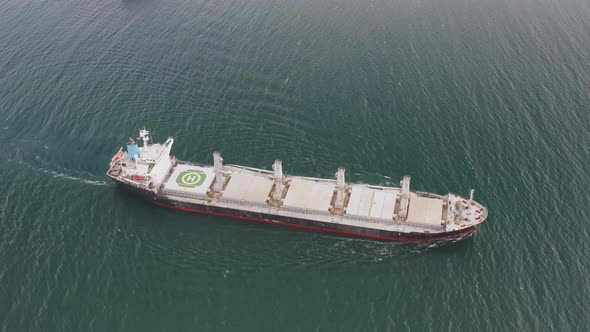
[312, 247]
[367, 250]
[184, 239]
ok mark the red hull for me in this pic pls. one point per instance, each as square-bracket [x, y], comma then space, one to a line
[462, 233]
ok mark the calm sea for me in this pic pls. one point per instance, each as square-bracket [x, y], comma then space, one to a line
[459, 94]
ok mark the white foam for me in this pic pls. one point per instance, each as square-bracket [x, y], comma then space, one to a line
[74, 178]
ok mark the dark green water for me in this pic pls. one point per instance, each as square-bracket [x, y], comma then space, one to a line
[491, 95]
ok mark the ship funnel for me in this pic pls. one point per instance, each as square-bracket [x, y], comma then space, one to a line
[132, 149]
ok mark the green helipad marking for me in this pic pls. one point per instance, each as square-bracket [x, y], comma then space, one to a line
[191, 178]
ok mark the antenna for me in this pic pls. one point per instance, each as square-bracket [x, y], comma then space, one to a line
[145, 136]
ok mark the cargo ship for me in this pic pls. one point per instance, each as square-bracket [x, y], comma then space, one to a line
[328, 205]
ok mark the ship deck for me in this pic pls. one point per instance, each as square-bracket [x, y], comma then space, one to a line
[249, 189]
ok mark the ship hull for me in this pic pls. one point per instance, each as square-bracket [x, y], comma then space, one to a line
[314, 225]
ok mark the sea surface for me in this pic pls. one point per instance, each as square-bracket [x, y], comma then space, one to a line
[459, 94]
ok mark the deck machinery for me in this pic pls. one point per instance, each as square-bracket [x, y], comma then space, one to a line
[331, 205]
